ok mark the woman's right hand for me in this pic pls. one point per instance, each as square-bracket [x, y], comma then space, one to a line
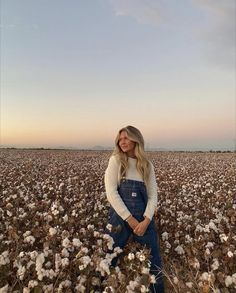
[133, 223]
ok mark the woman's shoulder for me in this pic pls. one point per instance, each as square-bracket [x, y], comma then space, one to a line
[114, 159]
[150, 164]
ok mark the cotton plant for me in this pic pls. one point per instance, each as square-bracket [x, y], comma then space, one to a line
[132, 273]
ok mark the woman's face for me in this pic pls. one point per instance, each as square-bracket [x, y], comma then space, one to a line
[126, 145]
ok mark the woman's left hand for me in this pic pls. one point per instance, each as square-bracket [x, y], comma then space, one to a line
[142, 227]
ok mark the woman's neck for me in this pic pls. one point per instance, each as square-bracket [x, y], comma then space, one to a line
[131, 155]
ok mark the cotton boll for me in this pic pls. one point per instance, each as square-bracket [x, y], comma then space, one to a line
[205, 277]
[213, 226]
[167, 244]
[195, 263]
[32, 284]
[85, 260]
[132, 285]
[142, 257]
[223, 238]
[207, 252]
[108, 289]
[48, 288]
[65, 218]
[63, 285]
[189, 284]
[118, 250]
[145, 270]
[209, 245]
[131, 256]
[39, 264]
[52, 231]
[66, 243]
[110, 241]
[164, 236]
[33, 254]
[65, 252]
[175, 280]
[215, 264]
[29, 264]
[109, 227]
[21, 272]
[104, 267]
[4, 258]
[96, 234]
[179, 249]
[144, 289]
[65, 262]
[76, 242]
[152, 279]
[228, 281]
[30, 239]
[27, 233]
[48, 264]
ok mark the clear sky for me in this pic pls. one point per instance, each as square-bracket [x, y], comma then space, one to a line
[73, 72]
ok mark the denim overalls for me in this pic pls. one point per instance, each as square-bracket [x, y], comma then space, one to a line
[134, 195]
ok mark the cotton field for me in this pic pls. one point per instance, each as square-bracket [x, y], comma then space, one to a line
[53, 212]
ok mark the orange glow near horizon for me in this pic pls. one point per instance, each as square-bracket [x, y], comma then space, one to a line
[104, 136]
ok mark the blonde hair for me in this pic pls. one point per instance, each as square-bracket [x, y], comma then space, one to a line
[143, 165]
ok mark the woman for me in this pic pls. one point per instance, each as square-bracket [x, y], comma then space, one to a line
[131, 189]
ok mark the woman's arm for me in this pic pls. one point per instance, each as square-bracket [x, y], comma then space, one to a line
[152, 194]
[111, 184]
[141, 228]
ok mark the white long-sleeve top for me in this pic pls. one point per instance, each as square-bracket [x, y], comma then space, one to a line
[112, 179]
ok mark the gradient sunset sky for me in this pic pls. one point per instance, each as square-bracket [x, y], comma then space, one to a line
[74, 72]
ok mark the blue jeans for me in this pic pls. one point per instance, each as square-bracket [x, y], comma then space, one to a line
[134, 195]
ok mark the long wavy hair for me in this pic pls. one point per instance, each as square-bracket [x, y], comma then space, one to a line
[142, 164]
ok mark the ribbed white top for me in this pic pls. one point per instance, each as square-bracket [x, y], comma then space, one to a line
[112, 178]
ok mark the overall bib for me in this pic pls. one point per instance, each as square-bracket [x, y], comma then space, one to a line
[134, 195]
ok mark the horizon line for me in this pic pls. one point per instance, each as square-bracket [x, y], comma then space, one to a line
[101, 148]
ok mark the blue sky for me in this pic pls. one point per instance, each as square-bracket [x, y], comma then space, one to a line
[74, 72]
